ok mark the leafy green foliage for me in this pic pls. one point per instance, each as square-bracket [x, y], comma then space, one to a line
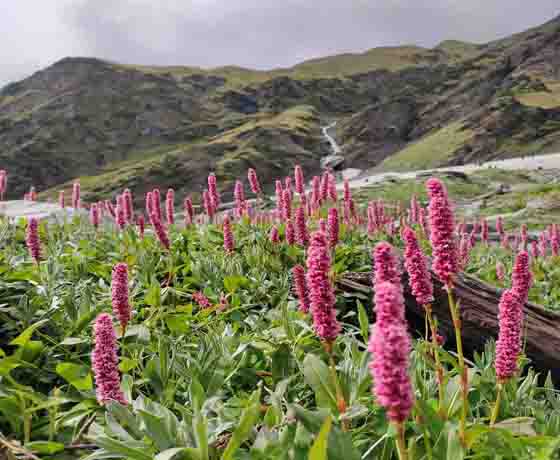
[245, 378]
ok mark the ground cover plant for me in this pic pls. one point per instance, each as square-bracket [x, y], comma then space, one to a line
[138, 334]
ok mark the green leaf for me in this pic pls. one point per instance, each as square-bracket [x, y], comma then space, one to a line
[73, 341]
[129, 449]
[45, 447]
[139, 331]
[125, 418]
[518, 425]
[318, 450]
[246, 423]
[8, 364]
[153, 295]
[25, 336]
[281, 363]
[157, 430]
[179, 323]
[198, 395]
[232, 283]
[364, 322]
[77, 375]
[179, 453]
[318, 377]
[455, 450]
[127, 365]
[201, 434]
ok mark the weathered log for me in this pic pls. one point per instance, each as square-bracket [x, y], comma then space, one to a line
[479, 310]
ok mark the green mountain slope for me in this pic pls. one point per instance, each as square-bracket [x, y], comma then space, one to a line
[122, 125]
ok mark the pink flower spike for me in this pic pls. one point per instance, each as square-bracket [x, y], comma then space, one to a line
[385, 265]
[148, 204]
[61, 199]
[534, 250]
[208, 206]
[170, 206]
[500, 225]
[286, 205]
[120, 213]
[390, 348]
[298, 273]
[301, 233]
[3, 184]
[254, 182]
[188, 211]
[141, 225]
[201, 300]
[290, 233]
[442, 227]
[500, 271]
[128, 206]
[156, 204]
[94, 215]
[32, 239]
[332, 192]
[274, 237]
[508, 345]
[417, 267]
[347, 192]
[321, 291]
[228, 236]
[119, 294]
[75, 194]
[484, 231]
[105, 361]
[213, 191]
[160, 230]
[333, 227]
[299, 180]
[522, 278]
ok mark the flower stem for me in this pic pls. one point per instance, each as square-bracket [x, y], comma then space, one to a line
[496, 409]
[456, 316]
[340, 401]
[439, 367]
[427, 443]
[401, 444]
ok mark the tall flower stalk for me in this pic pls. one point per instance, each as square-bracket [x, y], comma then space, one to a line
[445, 264]
[508, 346]
[105, 361]
[390, 348]
[119, 295]
[322, 301]
[32, 239]
[422, 288]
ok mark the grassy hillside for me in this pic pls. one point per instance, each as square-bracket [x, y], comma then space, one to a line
[429, 152]
[405, 107]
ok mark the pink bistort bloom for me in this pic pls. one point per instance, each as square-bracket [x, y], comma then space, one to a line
[105, 361]
[442, 227]
[508, 345]
[417, 267]
[321, 291]
[390, 346]
[119, 294]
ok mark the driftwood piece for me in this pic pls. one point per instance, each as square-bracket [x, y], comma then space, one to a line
[479, 309]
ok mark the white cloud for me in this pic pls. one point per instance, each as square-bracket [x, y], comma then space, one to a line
[253, 33]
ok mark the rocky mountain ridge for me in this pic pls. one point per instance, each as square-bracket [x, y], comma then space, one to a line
[121, 126]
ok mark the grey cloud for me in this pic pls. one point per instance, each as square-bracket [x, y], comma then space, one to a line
[251, 33]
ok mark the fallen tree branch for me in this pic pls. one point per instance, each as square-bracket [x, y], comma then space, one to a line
[479, 309]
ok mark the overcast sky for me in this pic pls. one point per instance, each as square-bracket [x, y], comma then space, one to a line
[251, 33]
